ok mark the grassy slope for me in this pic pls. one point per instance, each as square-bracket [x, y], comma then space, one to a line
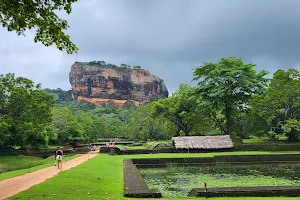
[22, 162]
[262, 141]
[102, 178]
[9, 163]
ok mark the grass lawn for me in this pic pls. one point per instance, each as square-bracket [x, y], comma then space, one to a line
[102, 178]
[259, 140]
[10, 163]
[11, 166]
[136, 147]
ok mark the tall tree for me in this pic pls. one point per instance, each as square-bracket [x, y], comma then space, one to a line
[180, 109]
[21, 15]
[228, 83]
[280, 104]
[25, 110]
[142, 125]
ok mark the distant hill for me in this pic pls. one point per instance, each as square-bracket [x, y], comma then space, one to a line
[98, 82]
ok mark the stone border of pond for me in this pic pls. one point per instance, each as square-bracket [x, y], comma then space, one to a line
[118, 151]
[170, 150]
[262, 191]
[232, 159]
[135, 186]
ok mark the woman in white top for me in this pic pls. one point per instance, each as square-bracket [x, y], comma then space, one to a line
[59, 154]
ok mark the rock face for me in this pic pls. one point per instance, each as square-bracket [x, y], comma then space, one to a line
[99, 83]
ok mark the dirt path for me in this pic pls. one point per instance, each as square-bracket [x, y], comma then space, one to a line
[12, 186]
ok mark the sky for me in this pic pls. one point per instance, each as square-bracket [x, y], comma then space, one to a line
[169, 38]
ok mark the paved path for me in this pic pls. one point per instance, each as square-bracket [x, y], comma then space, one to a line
[12, 186]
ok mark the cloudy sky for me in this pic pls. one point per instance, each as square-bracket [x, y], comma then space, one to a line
[167, 37]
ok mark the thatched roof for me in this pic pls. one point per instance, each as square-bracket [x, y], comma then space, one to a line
[203, 142]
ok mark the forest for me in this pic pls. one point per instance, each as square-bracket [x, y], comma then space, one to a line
[230, 97]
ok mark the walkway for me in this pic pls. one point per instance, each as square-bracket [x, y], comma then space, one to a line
[12, 186]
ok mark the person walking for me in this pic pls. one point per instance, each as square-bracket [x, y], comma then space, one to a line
[59, 154]
[55, 156]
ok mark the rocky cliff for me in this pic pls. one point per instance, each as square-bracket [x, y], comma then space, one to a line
[97, 83]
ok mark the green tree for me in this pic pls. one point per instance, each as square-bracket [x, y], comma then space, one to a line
[180, 109]
[115, 126]
[80, 126]
[279, 104]
[5, 134]
[62, 119]
[292, 129]
[21, 15]
[129, 104]
[142, 125]
[213, 117]
[100, 129]
[25, 110]
[228, 83]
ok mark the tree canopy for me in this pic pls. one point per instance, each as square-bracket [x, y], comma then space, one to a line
[279, 106]
[25, 111]
[22, 15]
[228, 83]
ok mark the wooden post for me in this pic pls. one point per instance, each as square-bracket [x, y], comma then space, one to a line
[205, 189]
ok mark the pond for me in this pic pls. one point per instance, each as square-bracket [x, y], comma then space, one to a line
[177, 181]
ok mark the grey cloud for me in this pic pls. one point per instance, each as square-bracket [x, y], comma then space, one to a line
[167, 37]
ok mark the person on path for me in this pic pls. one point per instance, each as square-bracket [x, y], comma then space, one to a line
[55, 156]
[59, 154]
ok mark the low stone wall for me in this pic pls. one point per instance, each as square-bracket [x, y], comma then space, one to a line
[109, 150]
[232, 159]
[267, 147]
[82, 149]
[134, 185]
[259, 158]
[170, 150]
[164, 162]
[11, 152]
[264, 191]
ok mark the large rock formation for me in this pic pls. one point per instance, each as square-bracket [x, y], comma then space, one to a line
[97, 83]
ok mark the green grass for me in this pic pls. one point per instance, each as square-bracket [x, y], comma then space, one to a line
[261, 141]
[135, 147]
[265, 140]
[20, 164]
[150, 145]
[101, 178]
[10, 163]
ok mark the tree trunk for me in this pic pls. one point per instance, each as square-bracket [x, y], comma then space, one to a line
[228, 119]
[186, 133]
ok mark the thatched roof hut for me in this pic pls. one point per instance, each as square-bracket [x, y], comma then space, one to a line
[203, 142]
